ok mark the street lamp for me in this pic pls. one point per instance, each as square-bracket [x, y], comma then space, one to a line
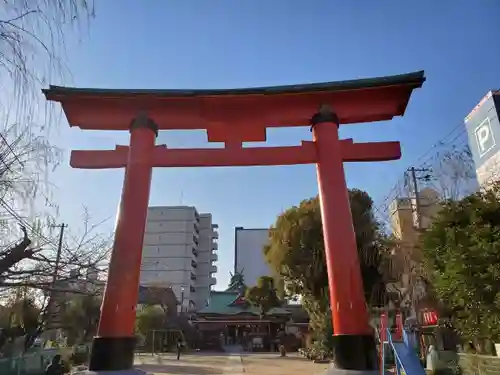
[182, 299]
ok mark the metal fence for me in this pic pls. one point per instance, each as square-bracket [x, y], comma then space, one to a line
[28, 364]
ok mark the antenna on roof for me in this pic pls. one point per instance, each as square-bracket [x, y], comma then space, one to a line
[181, 197]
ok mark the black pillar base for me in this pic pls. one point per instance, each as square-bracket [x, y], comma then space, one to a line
[355, 352]
[112, 353]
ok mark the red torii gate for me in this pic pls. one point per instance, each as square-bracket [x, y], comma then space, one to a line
[233, 117]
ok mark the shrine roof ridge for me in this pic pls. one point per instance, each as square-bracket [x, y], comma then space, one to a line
[415, 79]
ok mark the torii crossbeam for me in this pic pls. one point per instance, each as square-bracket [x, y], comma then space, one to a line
[234, 117]
[239, 157]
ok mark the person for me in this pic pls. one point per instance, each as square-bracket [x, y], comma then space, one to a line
[179, 347]
[432, 359]
[55, 367]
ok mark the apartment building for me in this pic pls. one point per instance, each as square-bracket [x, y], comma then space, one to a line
[180, 251]
[406, 257]
[404, 218]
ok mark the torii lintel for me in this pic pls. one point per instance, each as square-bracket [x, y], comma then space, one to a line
[226, 157]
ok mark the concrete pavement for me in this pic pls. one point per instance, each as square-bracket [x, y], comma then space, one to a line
[228, 363]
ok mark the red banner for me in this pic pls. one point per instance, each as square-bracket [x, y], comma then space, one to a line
[429, 318]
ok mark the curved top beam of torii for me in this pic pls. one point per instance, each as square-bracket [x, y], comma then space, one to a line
[247, 112]
[236, 116]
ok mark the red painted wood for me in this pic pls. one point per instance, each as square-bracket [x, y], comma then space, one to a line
[288, 155]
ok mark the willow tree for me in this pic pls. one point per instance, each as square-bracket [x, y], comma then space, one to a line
[33, 35]
[32, 40]
[296, 253]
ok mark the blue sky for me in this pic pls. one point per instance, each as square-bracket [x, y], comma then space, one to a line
[224, 44]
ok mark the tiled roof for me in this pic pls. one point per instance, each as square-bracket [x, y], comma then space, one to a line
[145, 297]
[413, 79]
[222, 303]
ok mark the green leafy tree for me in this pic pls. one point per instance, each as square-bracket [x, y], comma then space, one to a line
[21, 318]
[263, 295]
[296, 253]
[461, 253]
[81, 318]
[25, 314]
[150, 318]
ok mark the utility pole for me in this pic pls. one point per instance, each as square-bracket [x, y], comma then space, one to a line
[59, 250]
[414, 181]
[56, 268]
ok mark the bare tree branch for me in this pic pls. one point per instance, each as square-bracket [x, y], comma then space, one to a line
[32, 43]
[453, 173]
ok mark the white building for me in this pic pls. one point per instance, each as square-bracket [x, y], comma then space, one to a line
[179, 251]
[248, 253]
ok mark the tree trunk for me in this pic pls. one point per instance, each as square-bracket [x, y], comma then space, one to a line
[15, 254]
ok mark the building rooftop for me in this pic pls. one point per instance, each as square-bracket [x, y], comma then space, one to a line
[232, 303]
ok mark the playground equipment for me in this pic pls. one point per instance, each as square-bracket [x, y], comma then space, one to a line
[165, 340]
[398, 343]
[234, 117]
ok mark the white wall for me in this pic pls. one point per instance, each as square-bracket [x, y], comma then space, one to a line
[249, 256]
[177, 213]
[166, 264]
[170, 238]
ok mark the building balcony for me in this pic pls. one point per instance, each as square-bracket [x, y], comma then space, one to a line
[193, 263]
[193, 276]
[212, 281]
[215, 234]
[215, 226]
[192, 289]
[214, 257]
[213, 269]
[215, 245]
[194, 251]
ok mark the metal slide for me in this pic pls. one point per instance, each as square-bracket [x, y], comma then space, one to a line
[405, 357]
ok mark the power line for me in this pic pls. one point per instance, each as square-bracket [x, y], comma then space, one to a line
[448, 140]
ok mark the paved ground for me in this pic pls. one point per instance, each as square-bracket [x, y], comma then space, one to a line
[234, 364]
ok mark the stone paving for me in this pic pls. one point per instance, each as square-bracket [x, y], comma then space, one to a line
[222, 363]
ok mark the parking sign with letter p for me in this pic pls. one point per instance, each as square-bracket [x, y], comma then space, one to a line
[484, 137]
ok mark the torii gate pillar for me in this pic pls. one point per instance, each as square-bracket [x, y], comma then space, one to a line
[114, 345]
[354, 346]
